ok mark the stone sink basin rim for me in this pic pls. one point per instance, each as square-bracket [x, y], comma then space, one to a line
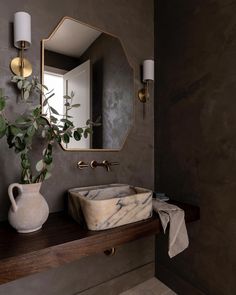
[109, 206]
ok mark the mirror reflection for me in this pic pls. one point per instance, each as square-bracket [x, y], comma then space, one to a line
[89, 67]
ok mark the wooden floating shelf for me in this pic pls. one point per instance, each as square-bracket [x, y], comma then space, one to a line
[62, 241]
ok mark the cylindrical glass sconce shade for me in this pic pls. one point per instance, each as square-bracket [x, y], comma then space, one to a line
[22, 29]
[148, 70]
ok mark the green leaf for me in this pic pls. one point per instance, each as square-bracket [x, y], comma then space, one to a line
[43, 86]
[67, 121]
[58, 138]
[2, 124]
[64, 120]
[67, 97]
[28, 140]
[2, 103]
[75, 105]
[26, 83]
[25, 164]
[20, 84]
[98, 120]
[89, 130]
[88, 122]
[20, 120]
[66, 126]
[85, 134]
[51, 95]
[10, 138]
[80, 130]
[48, 159]
[49, 148]
[35, 125]
[26, 94]
[36, 112]
[77, 135]
[28, 88]
[47, 175]
[45, 102]
[53, 119]
[42, 121]
[19, 145]
[14, 130]
[14, 79]
[66, 138]
[43, 134]
[39, 166]
[54, 111]
[46, 99]
[31, 131]
[49, 92]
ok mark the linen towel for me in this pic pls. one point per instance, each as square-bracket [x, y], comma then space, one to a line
[178, 235]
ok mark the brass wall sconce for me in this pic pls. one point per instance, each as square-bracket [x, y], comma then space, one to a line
[20, 66]
[148, 76]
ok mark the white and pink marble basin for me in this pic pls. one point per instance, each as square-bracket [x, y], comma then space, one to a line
[108, 206]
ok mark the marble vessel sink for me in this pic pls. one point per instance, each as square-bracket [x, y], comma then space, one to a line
[109, 206]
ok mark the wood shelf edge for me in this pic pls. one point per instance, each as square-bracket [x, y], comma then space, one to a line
[22, 265]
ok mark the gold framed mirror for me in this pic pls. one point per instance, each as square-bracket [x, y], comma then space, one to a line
[92, 65]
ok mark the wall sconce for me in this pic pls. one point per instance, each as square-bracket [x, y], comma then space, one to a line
[148, 76]
[20, 66]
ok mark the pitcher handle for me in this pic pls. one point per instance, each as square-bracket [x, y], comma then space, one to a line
[10, 194]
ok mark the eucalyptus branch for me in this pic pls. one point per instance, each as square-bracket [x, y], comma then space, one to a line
[20, 132]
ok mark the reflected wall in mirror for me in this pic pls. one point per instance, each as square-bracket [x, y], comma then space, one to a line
[92, 65]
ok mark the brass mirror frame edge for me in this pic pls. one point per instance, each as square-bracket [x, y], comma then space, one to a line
[42, 81]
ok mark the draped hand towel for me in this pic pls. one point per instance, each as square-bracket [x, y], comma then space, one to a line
[178, 236]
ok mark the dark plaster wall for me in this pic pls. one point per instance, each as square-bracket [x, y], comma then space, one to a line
[119, 17]
[196, 135]
[112, 90]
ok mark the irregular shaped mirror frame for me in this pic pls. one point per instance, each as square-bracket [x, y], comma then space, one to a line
[42, 80]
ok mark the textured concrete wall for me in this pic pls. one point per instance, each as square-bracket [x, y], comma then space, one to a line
[196, 134]
[112, 91]
[119, 17]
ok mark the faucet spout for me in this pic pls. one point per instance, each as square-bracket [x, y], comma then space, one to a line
[106, 164]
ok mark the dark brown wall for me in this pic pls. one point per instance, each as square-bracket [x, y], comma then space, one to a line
[112, 90]
[196, 135]
[124, 19]
[121, 18]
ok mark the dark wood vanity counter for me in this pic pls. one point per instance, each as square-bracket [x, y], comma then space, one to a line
[62, 241]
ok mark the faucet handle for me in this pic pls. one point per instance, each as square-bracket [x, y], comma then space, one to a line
[94, 164]
[82, 165]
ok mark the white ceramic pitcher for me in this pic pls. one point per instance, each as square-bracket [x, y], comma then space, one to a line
[29, 209]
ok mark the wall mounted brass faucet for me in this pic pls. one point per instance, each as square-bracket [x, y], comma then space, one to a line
[106, 164]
